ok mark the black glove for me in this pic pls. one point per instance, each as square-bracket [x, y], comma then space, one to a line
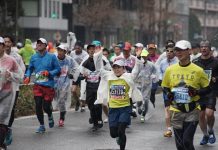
[170, 95]
[192, 91]
[159, 82]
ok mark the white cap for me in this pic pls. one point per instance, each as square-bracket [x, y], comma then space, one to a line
[119, 62]
[2, 40]
[62, 46]
[183, 44]
[42, 40]
[139, 45]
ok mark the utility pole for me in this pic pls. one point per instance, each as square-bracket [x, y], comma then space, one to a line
[205, 20]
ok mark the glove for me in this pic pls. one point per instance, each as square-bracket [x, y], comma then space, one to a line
[170, 96]
[45, 73]
[26, 80]
[192, 91]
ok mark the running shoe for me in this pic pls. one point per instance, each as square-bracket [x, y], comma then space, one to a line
[118, 140]
[3, 147]
[106, 120]
[100, 124]
[133, 114]
[51, 122]
[168, 133]
[204, 140]
[61, 123]
[90, 121]
[82, 109]
[94, 128]
[142, 119]
[41, 129]
[139, 111]
[212, 138]
[8, 138]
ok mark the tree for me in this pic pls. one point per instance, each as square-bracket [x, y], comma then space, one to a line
[194, 27]
[95, 14]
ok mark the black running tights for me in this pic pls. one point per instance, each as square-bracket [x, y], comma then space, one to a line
[184, 137]
[119, 132]
[41, 105]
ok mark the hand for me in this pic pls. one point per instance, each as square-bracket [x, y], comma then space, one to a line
[192, 91]
[213, 79]
[45, 73]
[153, 76]
[26, 80]
[170, 96]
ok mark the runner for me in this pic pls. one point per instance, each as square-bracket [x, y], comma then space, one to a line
[78, 54]
[183, 83]
[10, 72]
[9, 41]
[147, 75]
[63, 81]
[164, 64]
[46, 67]
[208, 102]
[117, 90]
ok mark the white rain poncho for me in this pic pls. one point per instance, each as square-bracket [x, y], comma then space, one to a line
[7, 90]
[102, 94]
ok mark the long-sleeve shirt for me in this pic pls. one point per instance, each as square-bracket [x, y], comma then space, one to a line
[39, 63]
[164, 64]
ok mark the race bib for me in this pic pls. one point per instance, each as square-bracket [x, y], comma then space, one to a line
[209, 74]
[181, 95]
[93, 77]
[117, 92]
[40, 78]
[64, 71]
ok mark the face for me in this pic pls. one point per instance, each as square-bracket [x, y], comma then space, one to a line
[1, 49]
[117, 50]
[205, 51]
[8, 44]
[183, 55]
[138, 48]
[105, 53]
[151, 51]
[61, 53]
[41, 46]
[170, 53]
[118, 70]
[91, 51]
[126, 53]
[78, 49]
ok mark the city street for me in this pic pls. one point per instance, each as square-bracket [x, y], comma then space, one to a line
[77, 134]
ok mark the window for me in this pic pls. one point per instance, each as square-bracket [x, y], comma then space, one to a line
[30, 8]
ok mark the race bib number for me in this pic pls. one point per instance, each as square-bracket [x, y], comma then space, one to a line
[209, 74]
[117, 92]
[64, 71]
[40, 78]
[93, 77]
[181, 95]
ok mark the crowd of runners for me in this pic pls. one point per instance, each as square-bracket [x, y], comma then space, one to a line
[121, 81]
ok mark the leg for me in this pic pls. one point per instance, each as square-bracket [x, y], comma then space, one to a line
[203, 122]
[39, 109]
[179, 138]
[75, 97]
[13, 110]
[47, 107]
[114, 132]
[122, 135]
[152, 96]
[189, 129]
[3, 132]
[168, 132]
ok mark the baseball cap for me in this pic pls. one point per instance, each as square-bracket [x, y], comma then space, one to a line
[96, 43]
[144, 52]
[138, 45]
[2, 40]
[183, 44]
[205, 43]
[152, 45]
[42, 40]
[127, 46]
[63, 47]
[119, 62]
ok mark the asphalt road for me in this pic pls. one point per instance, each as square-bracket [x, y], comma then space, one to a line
[77, 134]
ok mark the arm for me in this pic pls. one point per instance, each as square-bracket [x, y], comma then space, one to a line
[15, 74]
[56, 67]
[136, 70]
[30, 68]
